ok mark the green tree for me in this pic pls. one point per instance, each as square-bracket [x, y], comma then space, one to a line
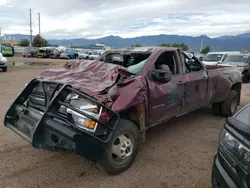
[182, 46]
[137, 45]
[206, 49]
[24, 42]
[165, 45]
[39, 41]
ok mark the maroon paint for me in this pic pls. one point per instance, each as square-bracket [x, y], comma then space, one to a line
[185, 92]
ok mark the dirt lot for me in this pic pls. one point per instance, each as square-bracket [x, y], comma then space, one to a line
[177, 154]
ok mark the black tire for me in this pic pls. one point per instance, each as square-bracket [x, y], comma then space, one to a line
[87, 57]
[245, 79]
[229, 106]
[216, 108]
[4, 69]
[109, 162]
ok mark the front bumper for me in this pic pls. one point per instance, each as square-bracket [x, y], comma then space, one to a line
[50, 131]
[64, 56]
[220, 178]
[3, 65]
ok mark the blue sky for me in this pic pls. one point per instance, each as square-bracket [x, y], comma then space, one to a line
[126, 18]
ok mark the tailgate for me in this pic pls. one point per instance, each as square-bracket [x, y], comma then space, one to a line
[39, 114]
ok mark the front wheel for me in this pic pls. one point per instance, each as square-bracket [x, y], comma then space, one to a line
[122, 150]
[4, 69]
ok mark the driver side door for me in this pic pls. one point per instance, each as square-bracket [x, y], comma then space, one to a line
[166, 99]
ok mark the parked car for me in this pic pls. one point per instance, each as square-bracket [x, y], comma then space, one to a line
[68, 54]
[44, 52]
[101, 111]
[7, 50]
[94, 55]
[242, 61]
[231, 166]
[213, 58]
[3, 63]
[56, 54]
[84, 54]
[30, 52]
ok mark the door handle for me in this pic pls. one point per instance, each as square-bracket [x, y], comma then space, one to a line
[181, 82]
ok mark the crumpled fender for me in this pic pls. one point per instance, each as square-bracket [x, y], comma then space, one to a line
[132, 92]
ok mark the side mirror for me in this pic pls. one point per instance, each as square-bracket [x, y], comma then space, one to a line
[163, 76]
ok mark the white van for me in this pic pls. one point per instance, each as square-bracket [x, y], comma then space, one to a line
[214, 58]
[3, 63]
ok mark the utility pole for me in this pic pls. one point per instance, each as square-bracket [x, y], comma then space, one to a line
[30, 28]
[39, 26]
[0, 35]
[201, 44]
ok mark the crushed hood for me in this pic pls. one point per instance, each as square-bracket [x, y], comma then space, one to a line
[90, 77]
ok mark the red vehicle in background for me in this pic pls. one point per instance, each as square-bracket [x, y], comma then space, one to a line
[56, 54]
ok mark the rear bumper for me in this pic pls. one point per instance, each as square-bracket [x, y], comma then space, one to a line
[220, 178]
[50, 131]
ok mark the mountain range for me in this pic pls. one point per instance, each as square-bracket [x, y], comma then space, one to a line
[238, 42]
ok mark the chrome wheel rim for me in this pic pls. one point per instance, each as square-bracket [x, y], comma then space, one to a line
[122, 148]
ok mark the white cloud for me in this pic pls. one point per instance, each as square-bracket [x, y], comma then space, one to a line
[127, 18]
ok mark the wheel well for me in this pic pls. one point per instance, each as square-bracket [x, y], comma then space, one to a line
[237, 87]
[245, 71]
[136, 115]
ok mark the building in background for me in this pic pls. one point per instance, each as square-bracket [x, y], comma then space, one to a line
[10, 39]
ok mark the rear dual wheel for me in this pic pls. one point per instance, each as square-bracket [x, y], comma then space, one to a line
[228, 107]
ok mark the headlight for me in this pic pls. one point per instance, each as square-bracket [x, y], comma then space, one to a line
[237, 149]
[4, 60]
[87, 107]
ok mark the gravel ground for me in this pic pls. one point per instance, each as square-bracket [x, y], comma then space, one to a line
[177, 154]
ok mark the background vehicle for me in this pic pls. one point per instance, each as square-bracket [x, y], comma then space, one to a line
[56, 54]
[242, 61]
[45, 52]
[3, 63]
[94, 55]
[213, 58]
[7, 50]
[101, 111]
[30, 52]
[84, 54]
[68, 54]
[231, 166]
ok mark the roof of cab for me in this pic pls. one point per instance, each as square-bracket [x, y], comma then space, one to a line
[146, 49]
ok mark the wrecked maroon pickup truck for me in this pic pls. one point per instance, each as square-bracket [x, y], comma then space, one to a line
[101, 109]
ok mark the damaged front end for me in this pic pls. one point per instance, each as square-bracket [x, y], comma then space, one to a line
[56, 117]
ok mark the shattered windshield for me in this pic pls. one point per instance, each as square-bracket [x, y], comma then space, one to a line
[136, 69]
[134, 62]
[213, 57]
